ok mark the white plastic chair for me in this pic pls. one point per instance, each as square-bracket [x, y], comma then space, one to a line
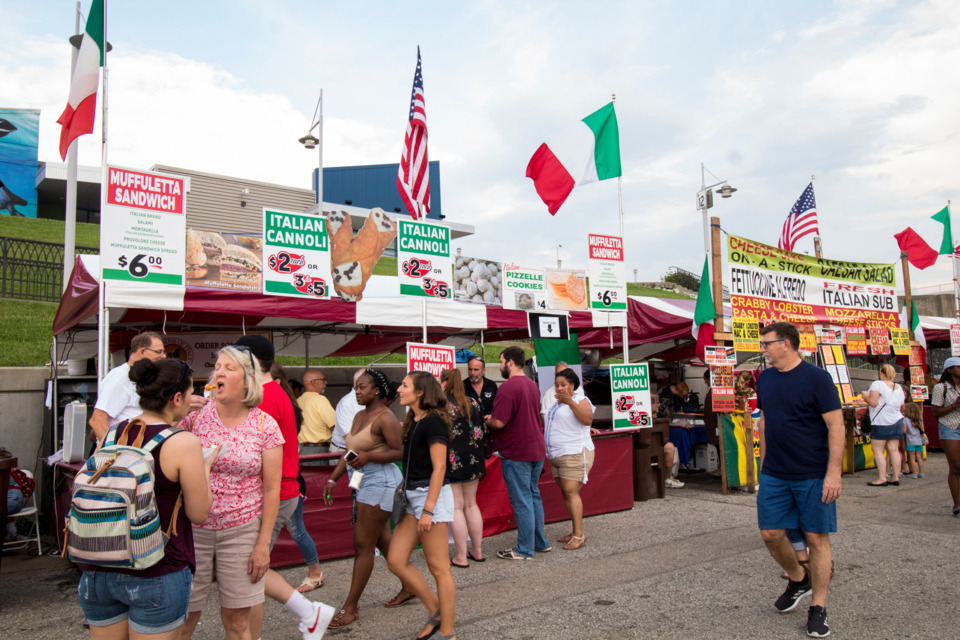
[29, 509]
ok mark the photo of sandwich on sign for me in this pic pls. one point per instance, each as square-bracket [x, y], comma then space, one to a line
[224, 260]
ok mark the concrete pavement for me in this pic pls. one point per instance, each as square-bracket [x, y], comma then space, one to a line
[686, 567]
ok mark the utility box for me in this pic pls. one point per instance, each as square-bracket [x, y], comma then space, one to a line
[705, 457]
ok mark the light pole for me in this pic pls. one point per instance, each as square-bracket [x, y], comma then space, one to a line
[705, 201]
[310, 141]
[558, 255]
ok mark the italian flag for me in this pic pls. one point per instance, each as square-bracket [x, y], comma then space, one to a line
[704, 314]
[586, 152]
[912, 322]
[77, 117]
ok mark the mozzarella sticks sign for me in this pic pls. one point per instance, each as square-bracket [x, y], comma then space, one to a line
[771, 284]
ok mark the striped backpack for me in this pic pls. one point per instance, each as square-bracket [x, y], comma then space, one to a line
[113, 519]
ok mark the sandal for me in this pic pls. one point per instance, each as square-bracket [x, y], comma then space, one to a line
[309, 584]
[400, 599]
[565, 539]
[338, 620]
[475, 558]
[434, 622]
[465, 565]
[575, 543]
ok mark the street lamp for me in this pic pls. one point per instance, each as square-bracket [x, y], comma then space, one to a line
[311, 141]
[705, 200]
[558, 255]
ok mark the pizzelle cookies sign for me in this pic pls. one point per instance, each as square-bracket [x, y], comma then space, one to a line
[423, 260]
[295, 255]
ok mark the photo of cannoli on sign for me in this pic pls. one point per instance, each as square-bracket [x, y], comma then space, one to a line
[566, 289]
[224, 260]
[352, 258]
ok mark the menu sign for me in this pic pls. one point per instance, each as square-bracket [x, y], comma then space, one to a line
[296, 253]
[746, 334]
[724, 400]
[142, 227]
[955, 340]
[430, 358]
[719, 355]
[830, 334]
[856, 341]
[879, 341]
[919, 393]
[808, 338]
[524, 289]
[423, 260]
[608, 273]
[630, 391]
[900, 339]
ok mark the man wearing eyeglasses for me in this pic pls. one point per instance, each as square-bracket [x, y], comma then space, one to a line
[318, 414]
[117, 398]
[801, 454]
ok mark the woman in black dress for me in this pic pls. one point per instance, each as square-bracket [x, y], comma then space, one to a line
[466, 468]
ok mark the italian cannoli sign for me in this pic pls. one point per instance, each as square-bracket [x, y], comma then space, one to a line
[630, 389]
[423, 260]
[142, 227]
[296, 252]
[566, 289]
[608, 273]
[430, 358]
[771, 284]
[352, 258]
[523, 289]
[476, 280]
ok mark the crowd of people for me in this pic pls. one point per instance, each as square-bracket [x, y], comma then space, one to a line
[233, 462]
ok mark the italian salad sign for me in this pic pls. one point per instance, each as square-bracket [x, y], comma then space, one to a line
[430, 358]
[143, 228]
[423, 260]
[630, 389]
[771, 284]
[608, 273]
[296, 255]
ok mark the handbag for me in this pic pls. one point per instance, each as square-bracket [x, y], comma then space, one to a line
[400, 495]
[865, 423]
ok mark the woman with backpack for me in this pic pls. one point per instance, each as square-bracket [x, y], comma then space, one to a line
[154, 601]
[235, 538]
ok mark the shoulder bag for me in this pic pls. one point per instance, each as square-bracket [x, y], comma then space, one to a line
[865, 422]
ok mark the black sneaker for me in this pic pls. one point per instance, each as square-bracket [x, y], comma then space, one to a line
[789, 599]
[817, 622]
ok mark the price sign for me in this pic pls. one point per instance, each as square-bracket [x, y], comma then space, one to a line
[630, 389]
[607, 272]
[524, 289]
[143, 228]
[746, 334]
[423, 259]
[296, 254]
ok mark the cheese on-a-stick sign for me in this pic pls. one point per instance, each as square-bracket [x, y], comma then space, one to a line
[431, 358]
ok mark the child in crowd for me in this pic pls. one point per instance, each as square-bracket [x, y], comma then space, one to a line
[913, 419]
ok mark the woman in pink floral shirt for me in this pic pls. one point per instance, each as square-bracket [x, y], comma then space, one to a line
[246, 492]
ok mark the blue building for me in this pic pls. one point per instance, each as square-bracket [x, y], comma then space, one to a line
[374, 185]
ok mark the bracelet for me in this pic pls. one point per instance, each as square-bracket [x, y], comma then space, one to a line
[333, 482]
[429, 513]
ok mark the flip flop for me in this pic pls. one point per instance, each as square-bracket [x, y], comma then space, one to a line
[475, 558]
[399, 601]
[565, 539]
[337, 622]
[466, 565]
[877, 484]
[310, 584]
[575, 543]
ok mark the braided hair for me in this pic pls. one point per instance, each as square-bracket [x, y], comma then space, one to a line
[382, 382]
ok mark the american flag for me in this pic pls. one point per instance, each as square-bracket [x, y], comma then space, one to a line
[413, 178]
[801, 221]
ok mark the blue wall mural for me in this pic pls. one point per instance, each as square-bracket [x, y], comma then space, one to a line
[19, 139]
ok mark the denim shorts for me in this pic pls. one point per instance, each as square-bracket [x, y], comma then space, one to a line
[442, 511]
[380, 482]
[794, 504]
[887, 431]
[150, 605]
[946, 433]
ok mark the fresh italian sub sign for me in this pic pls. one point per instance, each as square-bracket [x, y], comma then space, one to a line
[771, 284]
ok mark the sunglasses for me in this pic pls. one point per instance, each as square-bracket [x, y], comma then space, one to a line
[246, 349]
[185, 371]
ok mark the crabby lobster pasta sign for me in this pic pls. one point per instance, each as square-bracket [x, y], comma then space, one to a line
[772, 284]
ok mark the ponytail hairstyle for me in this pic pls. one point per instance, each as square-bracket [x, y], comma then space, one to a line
[278, 373]
[453, 386]
[433, 400]
[158, 382]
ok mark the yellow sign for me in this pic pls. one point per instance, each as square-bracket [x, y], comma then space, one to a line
[746, 334]
[900, 341]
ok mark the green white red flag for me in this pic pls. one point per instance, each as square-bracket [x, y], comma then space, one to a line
[78, 116]
[586, 152]
[704, 314]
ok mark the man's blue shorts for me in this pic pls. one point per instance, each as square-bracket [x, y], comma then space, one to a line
[794, 504]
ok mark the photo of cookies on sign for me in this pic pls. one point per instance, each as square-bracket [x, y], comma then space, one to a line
[352, 258]
[566, 289]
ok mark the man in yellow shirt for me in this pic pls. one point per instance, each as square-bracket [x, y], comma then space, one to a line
[318, 414]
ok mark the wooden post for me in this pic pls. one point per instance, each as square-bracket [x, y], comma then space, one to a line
[907, 296]
[715, 240]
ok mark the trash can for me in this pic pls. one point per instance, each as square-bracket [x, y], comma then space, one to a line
[649, 471]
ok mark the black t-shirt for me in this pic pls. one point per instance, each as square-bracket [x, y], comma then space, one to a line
[487, 393]
[423, 433]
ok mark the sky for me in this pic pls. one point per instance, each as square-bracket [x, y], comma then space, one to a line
[861, 94]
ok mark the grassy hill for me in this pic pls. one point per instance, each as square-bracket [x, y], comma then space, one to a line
[88, 235]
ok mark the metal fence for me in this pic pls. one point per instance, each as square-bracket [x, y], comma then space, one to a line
[32, 270]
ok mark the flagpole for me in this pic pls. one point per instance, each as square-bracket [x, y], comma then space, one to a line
[956, 271]
[103, 366]
[907, 295]
[817, 240]
[70, 206]
[626, 346]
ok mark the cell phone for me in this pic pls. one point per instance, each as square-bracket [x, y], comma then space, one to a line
[350, 455]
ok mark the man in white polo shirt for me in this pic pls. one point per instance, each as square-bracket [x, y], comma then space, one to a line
[117, 398]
